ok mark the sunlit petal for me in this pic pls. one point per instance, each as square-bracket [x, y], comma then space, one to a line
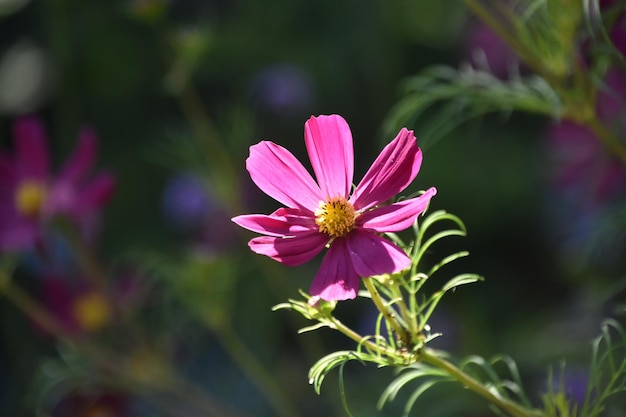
[329, 144]
[281, 176]
[393, 170]
[336, 279]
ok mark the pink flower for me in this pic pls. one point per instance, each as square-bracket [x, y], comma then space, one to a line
[30, 197]
[327, 214]
[486, 50]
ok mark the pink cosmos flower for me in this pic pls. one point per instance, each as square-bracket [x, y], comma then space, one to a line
[30, 196]
[327, 213]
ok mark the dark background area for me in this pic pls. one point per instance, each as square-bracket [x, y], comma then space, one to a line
[155, 78]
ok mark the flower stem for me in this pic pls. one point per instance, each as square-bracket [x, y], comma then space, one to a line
[255, 370]
[607, 138]
[409, 316]
[389, 317]
[24, 302]
[510, 407]
[512, 40]
[404, 358]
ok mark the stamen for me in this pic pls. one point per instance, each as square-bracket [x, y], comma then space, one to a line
[335, 217]
[91, 311]
[29, 198]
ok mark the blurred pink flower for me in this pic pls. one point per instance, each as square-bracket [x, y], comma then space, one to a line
[78, 305]
[326, 213]
[30, 196]
[486, 50]
[618, 34]
[583, 165]
[93, 402]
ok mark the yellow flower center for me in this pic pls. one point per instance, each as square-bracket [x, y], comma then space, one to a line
[91, 311]
[335, 217]
[29, 198]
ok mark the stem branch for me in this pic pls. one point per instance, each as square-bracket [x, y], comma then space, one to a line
[508, 406]
[378, 301]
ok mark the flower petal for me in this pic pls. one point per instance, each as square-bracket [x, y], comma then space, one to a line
[290, 251]
[393, 170]
[82, 158]
[395, 217]
[95, 194]
[281, 176]
[329, 144]
[373, 255]
[17, 234]
[336, 278]
[7, 172]
[32, 157]
[279, 224]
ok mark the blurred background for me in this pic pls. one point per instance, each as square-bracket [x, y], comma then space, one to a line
[176, 91]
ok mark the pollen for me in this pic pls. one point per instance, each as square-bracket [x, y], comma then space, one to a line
[91, 311]
[29, 198]
[335, 217]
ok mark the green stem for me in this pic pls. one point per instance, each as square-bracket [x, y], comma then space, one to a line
[409, 317]
[495, 24]
[386, 351]
[208, 137]
[250, 365]
[158, 387]
[607, 138]
[86, 257]
[380, 304]
[24, 302]
[511, 408]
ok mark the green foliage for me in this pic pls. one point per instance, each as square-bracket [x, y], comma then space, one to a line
[608, 369]
[201, 285]
[596, 25]
[402, 329]
[60, 376]
[499, 376]
[607, 378]
[464, 94]
[428, 375]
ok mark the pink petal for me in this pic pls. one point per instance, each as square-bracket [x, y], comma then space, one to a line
[395, 217]
[7, 171]
[336, 278]
[18, 235]
[281, 176]
[78, 164]
[31, 148]
[276, 224]
[373, 255]
[393, 170]
[290, 251]
[96, 193]
[329, 144]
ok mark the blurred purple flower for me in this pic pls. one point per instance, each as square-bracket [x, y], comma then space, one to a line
[573, 382]
[93, 404]
[486, 50]
[186, 202]
[83, 305]
[586, 177]
[582, 165]
[76, 304]
[611, 101]
[282, 88]
[30, 196]
[190, 208]
[618, 34]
